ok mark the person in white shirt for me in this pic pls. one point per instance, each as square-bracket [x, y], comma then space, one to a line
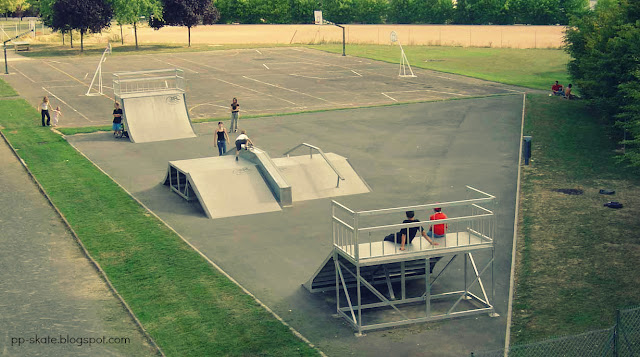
[56, 114]
[242, 139]
[44, 110]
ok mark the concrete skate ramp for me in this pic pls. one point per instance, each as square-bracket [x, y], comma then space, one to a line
[312, 178]
[224, 187]
[156, 116]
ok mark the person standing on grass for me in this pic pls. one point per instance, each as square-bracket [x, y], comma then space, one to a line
[44, 110]
[221, 138]
[117, 120]
[242, 139]
[235, 108]
[56, 114]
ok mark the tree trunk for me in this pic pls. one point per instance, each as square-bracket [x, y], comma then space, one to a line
[62, 32]
[135, 33]
[189, 28]
[121, 36]
[81, 40]
[71, 37]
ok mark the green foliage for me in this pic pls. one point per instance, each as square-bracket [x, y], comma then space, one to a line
[130, 11]
[605, 50]
[479, 12]
[82, 15]
[187, 13]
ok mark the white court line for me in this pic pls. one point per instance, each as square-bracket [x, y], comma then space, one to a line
[74, 78]
[427, 90]
[25, 76]
[265, 66]
[200, 64]
[389, 97]
[213, 105]
[259, 52]
[252, 90]
[175, 65]
[65, 103]
[287, 89]
[359, 75]
[312, 77]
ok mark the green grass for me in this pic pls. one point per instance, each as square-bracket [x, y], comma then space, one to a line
[189, 308]
[39, 50]
[577, 260]
[6, 90]
[532, 68]
[84, 130]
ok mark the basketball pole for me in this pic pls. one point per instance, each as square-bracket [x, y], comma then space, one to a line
[343, 34]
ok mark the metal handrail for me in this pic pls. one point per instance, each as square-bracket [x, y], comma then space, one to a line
[311, 147]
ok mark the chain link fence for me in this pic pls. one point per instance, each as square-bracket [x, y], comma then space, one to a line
[620, 340]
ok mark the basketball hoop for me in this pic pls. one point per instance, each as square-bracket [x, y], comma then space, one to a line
[405, 67]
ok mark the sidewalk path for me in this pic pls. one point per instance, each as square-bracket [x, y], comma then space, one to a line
[48, 288]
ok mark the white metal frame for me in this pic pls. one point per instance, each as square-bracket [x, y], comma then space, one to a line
[404, 62]
[132, 83]
[98, 74]
[351, 239]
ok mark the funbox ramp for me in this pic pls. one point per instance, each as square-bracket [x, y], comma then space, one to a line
[256, 184]
[224, 187]
[156, 116]
[311, 177]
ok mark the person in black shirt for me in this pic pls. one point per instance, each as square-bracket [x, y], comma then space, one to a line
[401, 237]
[117, 120]
[221, 138]
[235, 108]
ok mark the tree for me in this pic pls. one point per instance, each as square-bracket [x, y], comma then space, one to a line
[605, 64]
[189, 13]
[15, 6]
[433, 11]
[481, 12]
[82, 15]
[131, 11]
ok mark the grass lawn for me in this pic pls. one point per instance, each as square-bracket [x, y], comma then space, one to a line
[6, 90]
[532, 68]
[577, 260]
[188, 307]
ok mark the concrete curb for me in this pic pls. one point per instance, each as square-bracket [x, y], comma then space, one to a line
[507, 338]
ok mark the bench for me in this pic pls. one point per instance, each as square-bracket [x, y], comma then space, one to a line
[21, 46]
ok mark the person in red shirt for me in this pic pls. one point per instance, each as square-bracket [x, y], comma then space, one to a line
[557, 89]
[438, 230]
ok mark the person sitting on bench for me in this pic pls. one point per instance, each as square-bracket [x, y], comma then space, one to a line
[401, 237]
[438, 230]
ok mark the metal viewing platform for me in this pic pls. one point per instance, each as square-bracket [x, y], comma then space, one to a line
[361, 260]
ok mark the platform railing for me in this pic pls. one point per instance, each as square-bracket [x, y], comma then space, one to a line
[475, 228]
[148, 81]
[311, 148]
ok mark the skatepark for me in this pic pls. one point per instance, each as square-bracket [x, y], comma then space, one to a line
[392, 156]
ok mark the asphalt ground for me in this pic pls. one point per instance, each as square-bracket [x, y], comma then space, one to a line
[408, 154]
[265, 81]
[48, 288]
